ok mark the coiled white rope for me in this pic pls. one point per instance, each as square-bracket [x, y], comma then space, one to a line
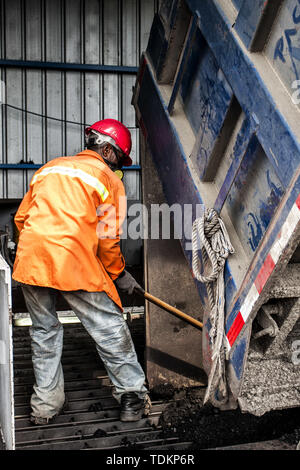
[216, 247]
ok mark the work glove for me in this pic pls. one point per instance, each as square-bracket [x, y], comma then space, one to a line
[126, 283]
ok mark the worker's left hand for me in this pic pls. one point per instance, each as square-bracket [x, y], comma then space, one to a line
[127, 283]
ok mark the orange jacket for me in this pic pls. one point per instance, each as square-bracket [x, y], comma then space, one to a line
[72, 201]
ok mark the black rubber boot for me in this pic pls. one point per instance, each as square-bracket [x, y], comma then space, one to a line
[132, 407]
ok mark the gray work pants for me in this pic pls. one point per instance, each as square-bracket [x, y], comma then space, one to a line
[104, 322]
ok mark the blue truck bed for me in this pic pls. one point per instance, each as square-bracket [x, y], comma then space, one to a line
[217, 102]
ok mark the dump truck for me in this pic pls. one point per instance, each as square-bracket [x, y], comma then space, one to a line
[217, 100]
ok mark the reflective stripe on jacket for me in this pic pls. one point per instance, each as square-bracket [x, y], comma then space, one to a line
[70, 225]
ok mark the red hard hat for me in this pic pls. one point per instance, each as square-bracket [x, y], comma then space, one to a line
[118, 132]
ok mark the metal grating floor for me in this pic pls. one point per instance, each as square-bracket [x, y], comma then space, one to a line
[91, 418]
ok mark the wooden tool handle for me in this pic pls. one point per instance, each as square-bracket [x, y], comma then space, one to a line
[174, 311]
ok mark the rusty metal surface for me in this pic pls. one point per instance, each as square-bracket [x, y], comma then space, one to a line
[91, 420]
[173, 348]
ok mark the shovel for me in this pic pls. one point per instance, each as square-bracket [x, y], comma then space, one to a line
[168, 308]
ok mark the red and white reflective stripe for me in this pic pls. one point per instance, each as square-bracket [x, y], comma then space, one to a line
[264, 273]
[75, 173]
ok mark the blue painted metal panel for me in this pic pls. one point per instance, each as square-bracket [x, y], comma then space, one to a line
[158, 44]
[174, 172]
[248, 19]
[184, 59]
[216, 107]
[283, 45]
[243, 143]
[238, 358]
[250, 90]
[254, 197]
[198, 84]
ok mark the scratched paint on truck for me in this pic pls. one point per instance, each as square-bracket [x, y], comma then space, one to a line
[283, 48]
[257, 191]
[254, 197]
[206, 97]
[199, 83]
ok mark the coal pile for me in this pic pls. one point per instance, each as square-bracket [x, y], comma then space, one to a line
[208, 427]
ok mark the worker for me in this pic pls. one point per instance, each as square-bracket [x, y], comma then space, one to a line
[62, 247]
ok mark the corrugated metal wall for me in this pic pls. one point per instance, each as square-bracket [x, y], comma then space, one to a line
[107, 32]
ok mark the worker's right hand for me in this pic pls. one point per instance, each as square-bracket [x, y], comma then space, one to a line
[126, 283]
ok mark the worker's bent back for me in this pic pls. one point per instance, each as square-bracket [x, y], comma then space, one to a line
[62, 221]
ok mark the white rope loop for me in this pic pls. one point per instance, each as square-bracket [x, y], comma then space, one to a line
[216, 247]
[214, 239]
